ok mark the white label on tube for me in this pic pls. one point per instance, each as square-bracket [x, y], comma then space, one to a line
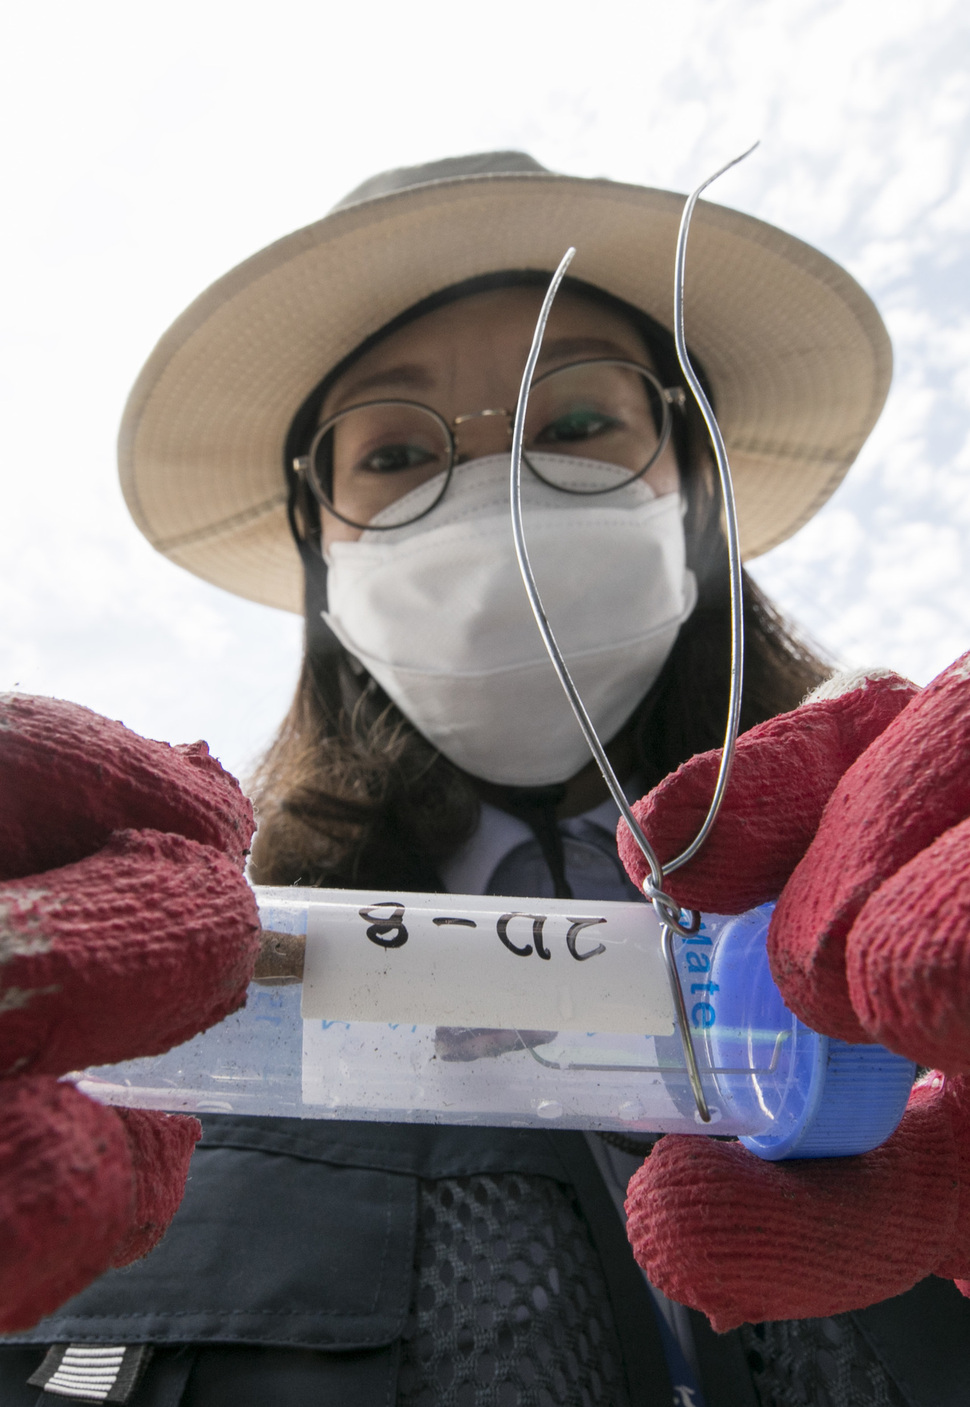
[464, 960]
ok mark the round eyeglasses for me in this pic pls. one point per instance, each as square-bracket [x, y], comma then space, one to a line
[367, 458]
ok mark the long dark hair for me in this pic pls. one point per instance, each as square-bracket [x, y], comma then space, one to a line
[351, 795]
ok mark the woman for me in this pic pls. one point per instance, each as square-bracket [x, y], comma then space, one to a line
[350, 389]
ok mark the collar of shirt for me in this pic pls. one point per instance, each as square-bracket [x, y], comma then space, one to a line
[469, 870]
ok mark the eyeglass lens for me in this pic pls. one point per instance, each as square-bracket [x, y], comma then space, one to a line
[369, 457]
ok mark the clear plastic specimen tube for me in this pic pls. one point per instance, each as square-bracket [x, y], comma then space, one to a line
[460, 1009]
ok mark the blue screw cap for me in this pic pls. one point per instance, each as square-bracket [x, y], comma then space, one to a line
[826, 1098]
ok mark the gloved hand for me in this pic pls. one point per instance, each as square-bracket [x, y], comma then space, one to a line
[855, 810]
[126, 927]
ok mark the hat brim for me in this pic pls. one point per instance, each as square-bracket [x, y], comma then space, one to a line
[796, 352]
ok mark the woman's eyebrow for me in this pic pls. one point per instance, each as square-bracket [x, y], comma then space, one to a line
[413, 376]
[408, 376]
[558, 347]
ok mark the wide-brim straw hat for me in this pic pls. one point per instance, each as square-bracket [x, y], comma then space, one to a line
[796, 353]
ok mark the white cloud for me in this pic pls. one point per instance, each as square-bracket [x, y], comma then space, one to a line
[155, 146]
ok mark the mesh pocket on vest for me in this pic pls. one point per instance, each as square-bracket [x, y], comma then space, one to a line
[511, 1307]
[816, 1363]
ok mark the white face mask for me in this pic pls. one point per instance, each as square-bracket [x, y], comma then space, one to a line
[437, 613]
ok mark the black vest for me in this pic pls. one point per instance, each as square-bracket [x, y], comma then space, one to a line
[298, 1236]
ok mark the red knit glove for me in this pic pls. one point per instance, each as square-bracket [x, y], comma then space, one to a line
[126, 927]
[854, 809]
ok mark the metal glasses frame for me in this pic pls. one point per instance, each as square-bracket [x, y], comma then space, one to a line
[669, 397]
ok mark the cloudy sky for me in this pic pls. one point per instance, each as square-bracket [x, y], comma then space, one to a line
[148, 147]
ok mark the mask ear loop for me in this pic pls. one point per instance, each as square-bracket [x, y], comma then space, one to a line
[672, 918]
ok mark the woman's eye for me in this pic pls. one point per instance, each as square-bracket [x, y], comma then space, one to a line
[392, 459]
[576, 425]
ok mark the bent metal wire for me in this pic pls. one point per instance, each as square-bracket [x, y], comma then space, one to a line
[672, 918]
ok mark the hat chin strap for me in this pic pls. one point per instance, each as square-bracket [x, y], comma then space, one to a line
[321, 643]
